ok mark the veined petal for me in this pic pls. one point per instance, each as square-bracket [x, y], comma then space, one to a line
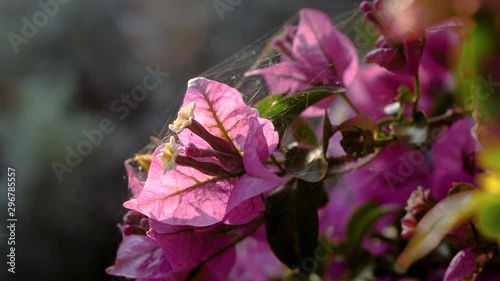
[245, 212]
[140, 256]
[322, 52]
[184, 196]
[258, 178]
[283, 78]
[220, 109]
[391, 59]
[187, 247]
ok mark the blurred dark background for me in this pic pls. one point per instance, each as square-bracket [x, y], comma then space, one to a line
[67, 65]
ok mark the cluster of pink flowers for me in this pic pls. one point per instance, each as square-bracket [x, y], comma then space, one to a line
[209, 202]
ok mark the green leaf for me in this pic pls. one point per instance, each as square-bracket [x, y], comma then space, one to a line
[419, 119]
[461, 187]
[433, 227]
[361, 121]
[489, 216]
[303, 132]
[264, 105]
[404, 95]
[306, 164]
[283, 110]
[291, 220]
[363, 220]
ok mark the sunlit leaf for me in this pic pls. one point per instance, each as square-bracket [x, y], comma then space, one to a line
[303, 132]
[360, 121]
[306, 164]
[283, 110]
[267, 103]
[461, 187]
[434, 226]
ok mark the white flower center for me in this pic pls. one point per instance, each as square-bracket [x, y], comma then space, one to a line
[168, 154]
[184, 118]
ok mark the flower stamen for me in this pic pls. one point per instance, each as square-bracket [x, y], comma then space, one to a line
[168, 155]
[184, 118]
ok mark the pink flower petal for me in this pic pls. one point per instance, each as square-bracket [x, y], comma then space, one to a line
[134, 183]
[184, 196]
[255, 261]
[283, 78]
[220, 109]
[461, 266]
[322, 52]
[140, 257]
[258, 178]
[245, 212]
[187, 247]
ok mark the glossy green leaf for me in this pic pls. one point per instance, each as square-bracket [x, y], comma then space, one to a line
[363, 220]
[306, 163]
[433, 227]
[461, 187]
[360, 121]
[291, 220]
[267, 103]
[303, 132]
[283, 110]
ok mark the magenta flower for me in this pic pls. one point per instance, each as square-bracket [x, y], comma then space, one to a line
[312, 54]
[174, 253]
[454, 158]
[255, 261]
[403, 59]
[461, 266]
[187, 247]
[375, 87]
[140, 257]
[405, 56]
[217, 172]
[396, 54]
[392, 175]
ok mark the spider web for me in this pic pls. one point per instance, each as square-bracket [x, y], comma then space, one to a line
[260, 54]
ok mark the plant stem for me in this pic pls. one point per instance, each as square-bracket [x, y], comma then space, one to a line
[417, 93]
[344, 96]
[387, 121]
[384, 141]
